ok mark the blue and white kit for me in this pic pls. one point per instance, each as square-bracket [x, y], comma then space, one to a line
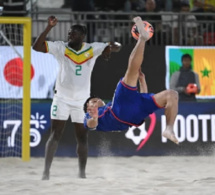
[128, 108]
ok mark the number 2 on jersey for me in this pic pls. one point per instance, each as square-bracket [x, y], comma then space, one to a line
[54, 110]
[78, 70]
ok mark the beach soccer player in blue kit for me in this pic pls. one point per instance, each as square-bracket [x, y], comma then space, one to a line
[129, 106]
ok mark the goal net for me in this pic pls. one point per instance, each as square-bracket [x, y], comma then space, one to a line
[15, 50]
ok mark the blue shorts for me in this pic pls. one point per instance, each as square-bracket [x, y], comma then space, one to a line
[131, 106]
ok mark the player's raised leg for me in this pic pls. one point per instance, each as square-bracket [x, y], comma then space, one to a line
[57, 128]
[136, 56]
[82, 147]
[169, 100]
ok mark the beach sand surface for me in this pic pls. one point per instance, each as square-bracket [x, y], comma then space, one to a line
[184, 175]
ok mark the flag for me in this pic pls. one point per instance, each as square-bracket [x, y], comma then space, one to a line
[44, 69]
[203, 63]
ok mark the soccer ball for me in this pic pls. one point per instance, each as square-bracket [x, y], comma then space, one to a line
[147, 25]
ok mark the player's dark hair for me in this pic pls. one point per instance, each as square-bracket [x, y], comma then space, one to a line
[80, 28]
[186, 56]
[86, 102]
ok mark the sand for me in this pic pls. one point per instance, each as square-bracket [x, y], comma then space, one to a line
[186, 175]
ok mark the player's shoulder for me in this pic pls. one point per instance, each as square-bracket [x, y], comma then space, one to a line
[87, 45]
[97, 44]
[62, 43]
[57, 43]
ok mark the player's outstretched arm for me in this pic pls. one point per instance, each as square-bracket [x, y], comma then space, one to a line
[39, 44]
[142, 82]
[92, 109]
[112, 47]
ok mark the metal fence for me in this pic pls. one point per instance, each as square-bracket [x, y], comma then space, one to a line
[170, 28]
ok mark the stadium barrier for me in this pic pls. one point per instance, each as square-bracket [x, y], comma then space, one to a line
[194, 127]
[170, 28]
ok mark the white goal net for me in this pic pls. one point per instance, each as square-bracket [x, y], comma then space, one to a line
[11, 86]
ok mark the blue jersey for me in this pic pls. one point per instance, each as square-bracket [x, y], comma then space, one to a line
[128, 108]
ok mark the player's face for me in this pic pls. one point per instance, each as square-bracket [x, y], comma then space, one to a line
[150, 5]
[97, 101]
[186, 62]
[75, 36]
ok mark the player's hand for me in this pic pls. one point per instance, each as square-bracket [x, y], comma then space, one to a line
[112, 47]
[92, 109]
[52, 21]
[115, 46]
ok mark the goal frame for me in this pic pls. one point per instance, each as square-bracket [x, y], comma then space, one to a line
[26, 101]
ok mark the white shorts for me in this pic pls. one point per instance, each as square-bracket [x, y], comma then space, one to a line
[61, 110]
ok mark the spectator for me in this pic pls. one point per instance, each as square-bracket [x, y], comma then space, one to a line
[1, 7]
[14, 8]
[203, 5]
[66, 4]
[137, 5]
[168, 5]
[155, 20]
[110, 5]
[85, 6]
[134, 5]
[82, 5]
[185, 81]
[187, 33]
[150, 6]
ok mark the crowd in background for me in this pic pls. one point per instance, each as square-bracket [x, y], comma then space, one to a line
[140, 5]
[119, 5]
[176, 29]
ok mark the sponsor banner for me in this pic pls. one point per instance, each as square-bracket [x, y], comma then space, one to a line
[203, 64]
[194, 127]
[44, 70]
[11, 127]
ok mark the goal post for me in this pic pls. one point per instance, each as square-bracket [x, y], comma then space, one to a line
[26, 101]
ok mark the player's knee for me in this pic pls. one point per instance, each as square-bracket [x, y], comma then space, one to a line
[172, 95]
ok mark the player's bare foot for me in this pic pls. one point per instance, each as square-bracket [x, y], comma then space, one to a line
[169, 134]
[143, 34]
[137, 19]
[45, 176]
[82, 175]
